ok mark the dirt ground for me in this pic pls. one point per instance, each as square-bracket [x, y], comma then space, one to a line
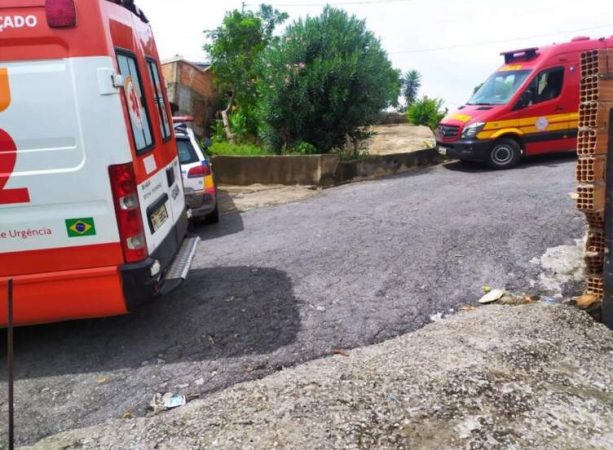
[244, 198]
[399, 138]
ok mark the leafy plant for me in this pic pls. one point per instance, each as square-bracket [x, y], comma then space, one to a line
[303, 148]
[323, 80]
[218, 132]
[239, 124]
[235, 49]
[426, 111]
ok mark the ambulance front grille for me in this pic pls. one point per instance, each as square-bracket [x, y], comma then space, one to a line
[448, 131]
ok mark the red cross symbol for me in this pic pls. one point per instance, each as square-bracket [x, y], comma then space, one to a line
[134, 103]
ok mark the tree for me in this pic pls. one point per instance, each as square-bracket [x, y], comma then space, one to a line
[411, 83]
[235, 50]
[323, 80]
[427, 111]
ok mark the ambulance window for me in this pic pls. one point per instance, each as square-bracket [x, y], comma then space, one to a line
[154, 74]
[133, 89]
[548, 84]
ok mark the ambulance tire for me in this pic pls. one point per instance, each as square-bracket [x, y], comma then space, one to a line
[505, 153]
[213, 217]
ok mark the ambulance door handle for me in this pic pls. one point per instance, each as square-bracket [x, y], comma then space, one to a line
[106, 82]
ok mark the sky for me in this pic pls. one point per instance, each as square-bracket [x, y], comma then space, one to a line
[455, 44]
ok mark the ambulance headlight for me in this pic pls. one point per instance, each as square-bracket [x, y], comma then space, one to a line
[471, 130]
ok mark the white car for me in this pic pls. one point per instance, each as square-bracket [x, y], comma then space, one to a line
[197, 172]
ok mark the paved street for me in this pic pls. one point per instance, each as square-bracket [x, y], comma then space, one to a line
[278, 286]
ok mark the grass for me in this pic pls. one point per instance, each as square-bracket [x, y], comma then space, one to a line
[227, 149]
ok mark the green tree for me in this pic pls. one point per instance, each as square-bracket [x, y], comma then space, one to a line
[323, 80]
[235, 49]
[426, 111]
[411, 83]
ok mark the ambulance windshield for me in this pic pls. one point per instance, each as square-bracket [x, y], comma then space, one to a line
[499, 88]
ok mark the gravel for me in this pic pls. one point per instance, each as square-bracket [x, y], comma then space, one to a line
[500, 377]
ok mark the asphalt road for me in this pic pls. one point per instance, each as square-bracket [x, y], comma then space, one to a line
[278, 286]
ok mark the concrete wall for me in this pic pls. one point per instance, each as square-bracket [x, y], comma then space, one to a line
[385, 165]
[307, 170]
[316, 170]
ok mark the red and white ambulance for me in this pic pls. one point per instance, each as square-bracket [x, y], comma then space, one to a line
[529, 106]
[92, 213]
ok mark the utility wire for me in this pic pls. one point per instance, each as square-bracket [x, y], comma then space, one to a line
[479, 44]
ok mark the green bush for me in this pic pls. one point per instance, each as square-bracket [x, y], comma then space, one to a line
[427, 111]
[322, 81]
[218, 132]
[227, 149]
[303, 148]
[238, 124]
[235, 49]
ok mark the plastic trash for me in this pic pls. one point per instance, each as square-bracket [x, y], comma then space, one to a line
[167, 401]
[492, 296]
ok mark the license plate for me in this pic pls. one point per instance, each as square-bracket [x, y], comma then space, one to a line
[158, 217]
[442, 151]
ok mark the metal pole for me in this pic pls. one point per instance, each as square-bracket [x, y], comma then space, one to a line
[607, 304]
[10, 355]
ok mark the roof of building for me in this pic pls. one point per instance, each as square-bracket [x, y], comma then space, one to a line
[203, 66]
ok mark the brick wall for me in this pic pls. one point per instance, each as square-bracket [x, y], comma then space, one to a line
[192, 92]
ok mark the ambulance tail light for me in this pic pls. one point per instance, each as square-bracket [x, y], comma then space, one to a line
[61, 13]
[127, 209]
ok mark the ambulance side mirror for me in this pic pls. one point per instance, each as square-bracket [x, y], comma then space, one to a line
[525, 99]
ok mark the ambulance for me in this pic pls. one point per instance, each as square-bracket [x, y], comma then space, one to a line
[93, 220]
[528, 107]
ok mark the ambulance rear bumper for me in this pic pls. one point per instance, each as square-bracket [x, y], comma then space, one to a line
[67, 295]
[147, 279]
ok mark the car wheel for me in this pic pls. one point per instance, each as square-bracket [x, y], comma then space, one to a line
[505, 153]
[212, 217]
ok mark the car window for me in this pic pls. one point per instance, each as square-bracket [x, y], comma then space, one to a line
[187, 153]
[547, 85]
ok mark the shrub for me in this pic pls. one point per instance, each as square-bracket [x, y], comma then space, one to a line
[218, 132]
[322, 81]
[427, 111]
[303, 148]
[227, 149]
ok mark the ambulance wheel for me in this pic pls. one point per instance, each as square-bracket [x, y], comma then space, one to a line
[213, 217]
[505, 153]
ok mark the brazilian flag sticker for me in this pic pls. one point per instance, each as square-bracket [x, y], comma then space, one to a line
[80, 227]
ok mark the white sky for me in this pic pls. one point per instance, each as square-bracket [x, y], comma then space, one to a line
[410, 29]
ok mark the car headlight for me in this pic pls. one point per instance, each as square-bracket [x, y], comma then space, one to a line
[471, 130]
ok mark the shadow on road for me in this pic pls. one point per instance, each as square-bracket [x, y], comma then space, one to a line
[549, 160]
[230, 220]
[218, 313]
